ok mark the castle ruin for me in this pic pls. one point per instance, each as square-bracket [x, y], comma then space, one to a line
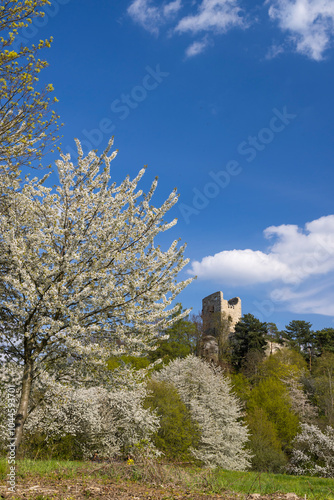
[219, 319]
[215, 310]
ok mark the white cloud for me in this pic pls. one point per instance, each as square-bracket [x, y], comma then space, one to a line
[310, 24]
[274, 51]
[172, 8]
[294, 256]
[212, 15]
[197, 47]
[315, 297]
[297, 270]
[151, 17]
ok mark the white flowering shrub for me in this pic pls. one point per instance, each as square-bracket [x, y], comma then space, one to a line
[208, 395]
[109, 420]
[313, 453]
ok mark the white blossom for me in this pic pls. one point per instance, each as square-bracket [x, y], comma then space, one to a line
[80, 274]
[110, 421]
[208, 395]
[313, 453]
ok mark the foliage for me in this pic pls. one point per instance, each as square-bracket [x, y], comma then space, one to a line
[177, 433]
[273, 397]
[208, 396]
[273, 334]
[82, 275]
[241, 386]
[249, 335]
[181, 341]
[300, 337]
[283, 364]
[136, 362]
[27, 122]
[264, 444]
[288, 366]
[324, 386]
[313, 453]
[324, 340]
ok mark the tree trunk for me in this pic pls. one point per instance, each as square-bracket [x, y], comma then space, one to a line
[22, 411]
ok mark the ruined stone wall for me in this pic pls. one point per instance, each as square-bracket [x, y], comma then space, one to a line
[214, 307]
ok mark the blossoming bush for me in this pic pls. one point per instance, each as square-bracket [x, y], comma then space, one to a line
[76, 419]
[313, 453]
[208, 396]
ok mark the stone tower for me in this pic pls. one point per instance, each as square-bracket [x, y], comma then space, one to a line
[215, 308]
[219, 319]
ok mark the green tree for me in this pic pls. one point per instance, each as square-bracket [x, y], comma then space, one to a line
[181, 341]
[264, 443]
[283, 364]
[273, 397]
[249, 335]
[273, 334]
[178, 432]
[324, 386]
[27, 121]
[324, 340]
[301, 337]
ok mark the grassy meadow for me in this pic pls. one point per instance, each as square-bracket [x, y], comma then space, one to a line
[195, 479]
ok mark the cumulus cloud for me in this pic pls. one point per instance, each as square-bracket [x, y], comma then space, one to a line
[212, 15]
[294, 256]
[296, 271]
[310, 24]
[150, 16]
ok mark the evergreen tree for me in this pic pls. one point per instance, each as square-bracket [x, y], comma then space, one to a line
[301, 338]
[324, 340]
[249, 335]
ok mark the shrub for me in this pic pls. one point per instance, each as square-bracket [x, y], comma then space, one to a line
[208, 396]
[178, 433]
[264, 443]
[313, 453]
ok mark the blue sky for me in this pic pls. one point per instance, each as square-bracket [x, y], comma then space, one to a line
[230, 101]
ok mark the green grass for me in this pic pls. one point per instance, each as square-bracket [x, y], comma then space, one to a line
[217, 481]
[266, 483]
[44, 468]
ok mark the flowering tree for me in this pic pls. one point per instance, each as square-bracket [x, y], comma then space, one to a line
[313, 453]
[27, 122]
[208, 395]
[109, 419]
[80, 274]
